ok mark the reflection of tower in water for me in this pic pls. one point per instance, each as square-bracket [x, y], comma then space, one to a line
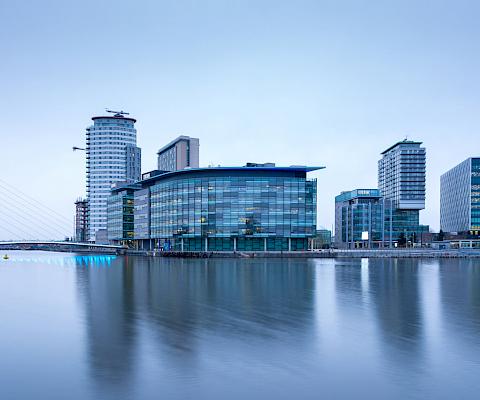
[395, 292]
[106, 292]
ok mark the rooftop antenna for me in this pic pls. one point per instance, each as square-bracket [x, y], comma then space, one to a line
[117, 113]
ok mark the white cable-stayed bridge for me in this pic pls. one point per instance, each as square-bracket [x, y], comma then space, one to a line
[28, 224]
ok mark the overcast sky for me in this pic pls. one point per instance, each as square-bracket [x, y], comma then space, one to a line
[330, 83]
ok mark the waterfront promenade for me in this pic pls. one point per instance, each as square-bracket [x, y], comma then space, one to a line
[71, 247]
[330, 253]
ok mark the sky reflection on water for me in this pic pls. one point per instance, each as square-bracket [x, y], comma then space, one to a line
[114, 327]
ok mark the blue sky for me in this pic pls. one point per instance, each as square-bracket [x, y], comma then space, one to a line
[329, 83]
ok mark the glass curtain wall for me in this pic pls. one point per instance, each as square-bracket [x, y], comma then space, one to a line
[261, 212]
[120, 210]
[475, 195]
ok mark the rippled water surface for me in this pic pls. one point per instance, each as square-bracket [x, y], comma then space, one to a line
[80, 327]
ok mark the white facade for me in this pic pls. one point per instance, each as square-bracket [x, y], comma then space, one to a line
[402, 175]
[112, 156]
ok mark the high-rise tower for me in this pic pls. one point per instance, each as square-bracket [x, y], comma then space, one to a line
[401, 180]
[401, 175]
[112, 156]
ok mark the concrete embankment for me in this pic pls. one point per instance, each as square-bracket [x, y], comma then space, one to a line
[403, 253]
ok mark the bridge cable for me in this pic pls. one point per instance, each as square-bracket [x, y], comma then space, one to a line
[29, 199]
[19, 229]
[12, 233]
[56, 213]
[35, 214]
[21, 224]
[55, 218]
[34, 221]
[13, 215]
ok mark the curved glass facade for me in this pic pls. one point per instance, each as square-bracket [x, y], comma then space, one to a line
[226, 209]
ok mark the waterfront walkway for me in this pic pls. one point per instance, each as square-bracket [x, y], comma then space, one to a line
[89, 248]
[330, 253]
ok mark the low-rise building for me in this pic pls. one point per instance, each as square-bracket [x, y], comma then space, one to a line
[322, 239]
[362, 220]
[120, 214]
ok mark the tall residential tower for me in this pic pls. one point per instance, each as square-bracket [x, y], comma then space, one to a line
[401, 180]
[112, 156]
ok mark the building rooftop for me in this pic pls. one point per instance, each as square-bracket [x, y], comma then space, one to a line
[156, 174]
[116, 116]
[405, 141]
[353, 194]
[236, 169]
[174, 141]
[118, 187]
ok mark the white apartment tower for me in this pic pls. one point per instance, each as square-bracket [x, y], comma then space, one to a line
[402, 173]
[112, 156]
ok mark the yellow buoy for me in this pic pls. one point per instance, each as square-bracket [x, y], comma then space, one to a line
[5, 257]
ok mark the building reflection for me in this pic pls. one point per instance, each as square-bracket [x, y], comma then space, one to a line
[187, 306]
[396, 295]
[460, 296]
[106, 290]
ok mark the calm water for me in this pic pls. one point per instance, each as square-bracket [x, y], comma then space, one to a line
[81, 327]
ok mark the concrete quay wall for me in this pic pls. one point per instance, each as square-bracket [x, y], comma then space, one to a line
[333, 253]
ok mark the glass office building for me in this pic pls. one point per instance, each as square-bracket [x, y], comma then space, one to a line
[365, 219]
[120, 211]
[227, 209]
[460, 198]
[362, 219]
[112, 156]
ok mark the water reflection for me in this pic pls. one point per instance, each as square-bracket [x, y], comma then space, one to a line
[396, 297]
[460, 288]
[107, 294]
[280, 327]
[185, 304]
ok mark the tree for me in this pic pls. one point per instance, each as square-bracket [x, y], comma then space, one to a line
[402, 240]
[413, 238]
[441, 235]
